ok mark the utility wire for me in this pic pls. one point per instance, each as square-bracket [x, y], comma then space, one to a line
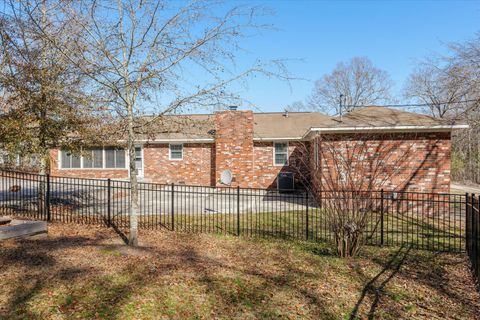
[416, 104]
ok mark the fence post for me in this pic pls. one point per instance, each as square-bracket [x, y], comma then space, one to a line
[477, 244]
[381, 218]
[467, 224]
[472, 224]
[109, 202]
[306, 215]
[173, 206]
[238, 210]
[47, 198]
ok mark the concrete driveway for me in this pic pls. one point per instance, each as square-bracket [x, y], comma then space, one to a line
[154, 199]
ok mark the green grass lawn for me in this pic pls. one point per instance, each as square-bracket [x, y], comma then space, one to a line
[433, 232]
[85, 272]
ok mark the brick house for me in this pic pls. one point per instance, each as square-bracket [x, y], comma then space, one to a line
[393, 149]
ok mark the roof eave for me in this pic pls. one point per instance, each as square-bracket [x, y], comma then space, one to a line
[434, 128]
[277, 138]
[185, 140]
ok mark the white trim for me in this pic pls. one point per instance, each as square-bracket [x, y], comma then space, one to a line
[91, 169]
[174, 141]
[276, 139]
[455, 126]
[104, 163]
[170, 151]
[387, 128]
[274, 162]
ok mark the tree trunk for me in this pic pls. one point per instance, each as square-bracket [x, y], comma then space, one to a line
[42, 182]
[134, 206]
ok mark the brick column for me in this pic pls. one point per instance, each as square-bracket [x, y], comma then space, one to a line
[234, 146]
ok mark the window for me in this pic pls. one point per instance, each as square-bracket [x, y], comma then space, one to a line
[114, 158]
[176, 151]
[70, 161]
[94, 159]
[281, 154]
[315, 153]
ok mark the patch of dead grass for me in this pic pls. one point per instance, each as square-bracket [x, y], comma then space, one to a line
[87, 272]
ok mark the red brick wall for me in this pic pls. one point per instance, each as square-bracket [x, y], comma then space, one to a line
[400, 161]
[195, 167]
[234, 146]
[265, 172]
[85, 173]
[397, 161]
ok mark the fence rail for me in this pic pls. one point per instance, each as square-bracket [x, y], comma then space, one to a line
[422, 220]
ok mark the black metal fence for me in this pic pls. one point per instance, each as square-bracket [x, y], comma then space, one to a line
[423, 220]
[473, 234]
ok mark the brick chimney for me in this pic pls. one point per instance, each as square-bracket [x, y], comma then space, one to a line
[234, 146]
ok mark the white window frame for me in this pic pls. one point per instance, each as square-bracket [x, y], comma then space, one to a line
[170, 151]
[274, 154]
[104, 163]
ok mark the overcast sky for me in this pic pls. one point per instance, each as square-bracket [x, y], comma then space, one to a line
[392, 34]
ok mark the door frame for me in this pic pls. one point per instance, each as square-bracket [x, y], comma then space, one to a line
[143, 162]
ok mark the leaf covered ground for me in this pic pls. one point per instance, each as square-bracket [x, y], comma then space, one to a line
[85, 272]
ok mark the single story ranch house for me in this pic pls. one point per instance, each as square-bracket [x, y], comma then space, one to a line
[385, 147]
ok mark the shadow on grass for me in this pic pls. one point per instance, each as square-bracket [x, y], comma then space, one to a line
[232, 288]
[372, 288]
[49, 283]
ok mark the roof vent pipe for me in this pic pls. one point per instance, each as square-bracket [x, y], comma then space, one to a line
[233, 108]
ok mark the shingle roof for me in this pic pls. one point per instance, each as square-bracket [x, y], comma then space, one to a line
[277, 125]
[375, 116]
[294, 125]
[179, 127]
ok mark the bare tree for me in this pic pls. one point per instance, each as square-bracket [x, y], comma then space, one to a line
[358, 81]
[450, 86]
[144, 56]
[441, 88]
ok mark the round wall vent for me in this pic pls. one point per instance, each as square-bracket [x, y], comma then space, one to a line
[226, 177]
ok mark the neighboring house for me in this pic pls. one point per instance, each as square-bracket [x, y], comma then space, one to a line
[409, 151]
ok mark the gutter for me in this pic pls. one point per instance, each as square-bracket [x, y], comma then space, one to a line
[435, 128]
[198, 140]
[277, 139]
